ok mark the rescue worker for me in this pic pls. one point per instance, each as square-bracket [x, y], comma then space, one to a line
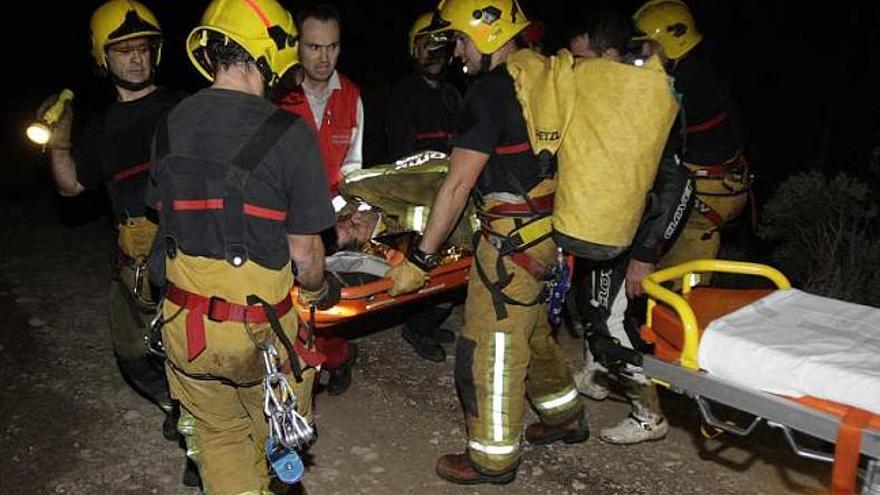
[241, 191]
[332, 106]
[114, 151]
[423, 106]
[708, 134]
[611, 287]
[421, 117]
[506, 348]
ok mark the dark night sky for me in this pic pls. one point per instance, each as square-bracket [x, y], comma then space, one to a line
[802, 75]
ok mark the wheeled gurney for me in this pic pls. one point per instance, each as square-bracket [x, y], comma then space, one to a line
[677, 326]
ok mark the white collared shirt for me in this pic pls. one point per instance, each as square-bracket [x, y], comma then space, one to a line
[318, 103]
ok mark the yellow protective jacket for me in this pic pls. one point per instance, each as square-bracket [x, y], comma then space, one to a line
[608, 123]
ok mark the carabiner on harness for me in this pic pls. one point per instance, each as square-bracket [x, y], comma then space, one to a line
[288, 430]
[558, 285]
[154, 335]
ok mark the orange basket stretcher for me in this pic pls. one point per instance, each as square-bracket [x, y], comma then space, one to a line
[675, 325]
[365, 299]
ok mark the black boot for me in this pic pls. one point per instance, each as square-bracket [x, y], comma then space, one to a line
[425, 347]
[191, 476]
[340, 378]
[423, 332]
[169, 426]
[444, 336]
[148, 379]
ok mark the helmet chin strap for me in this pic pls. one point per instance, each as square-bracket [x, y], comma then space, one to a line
[131, 86]
[485, 63]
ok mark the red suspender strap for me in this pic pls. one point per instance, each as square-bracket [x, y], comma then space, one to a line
[707, 124]
[433, 135]
[512, 149]
[131, 172]
[217, 204]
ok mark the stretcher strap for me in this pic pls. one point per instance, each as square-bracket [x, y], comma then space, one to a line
[847, 451]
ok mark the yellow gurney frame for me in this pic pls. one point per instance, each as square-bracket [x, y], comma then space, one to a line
[815, 418]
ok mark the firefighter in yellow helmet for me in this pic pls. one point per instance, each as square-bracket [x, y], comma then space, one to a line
[506, 349]
[241, 192]
[708, 135]
[423, 105]
[114, 151]
[421, 117]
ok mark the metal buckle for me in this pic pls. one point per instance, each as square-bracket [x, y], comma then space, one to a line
[211, 305]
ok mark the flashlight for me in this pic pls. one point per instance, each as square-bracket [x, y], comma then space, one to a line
[40, 132]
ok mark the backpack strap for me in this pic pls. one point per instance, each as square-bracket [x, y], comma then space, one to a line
[245, 161]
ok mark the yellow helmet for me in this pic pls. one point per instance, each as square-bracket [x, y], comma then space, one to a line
[670, 23]
[419, 28]
[263, 28]
[489, 23]
[120, 20]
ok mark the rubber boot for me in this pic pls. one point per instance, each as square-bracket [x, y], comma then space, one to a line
[148, 379]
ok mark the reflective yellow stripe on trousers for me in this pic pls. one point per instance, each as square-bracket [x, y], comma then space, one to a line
[498, 408]
[550, 402]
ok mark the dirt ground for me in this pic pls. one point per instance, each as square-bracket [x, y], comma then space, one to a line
[69, 424]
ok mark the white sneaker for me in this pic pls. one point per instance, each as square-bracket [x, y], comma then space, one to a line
[587, 381]
[633, 430]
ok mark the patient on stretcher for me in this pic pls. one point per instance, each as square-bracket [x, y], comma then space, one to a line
[387, 207]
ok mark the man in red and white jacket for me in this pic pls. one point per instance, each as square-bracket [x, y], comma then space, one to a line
[332, 105]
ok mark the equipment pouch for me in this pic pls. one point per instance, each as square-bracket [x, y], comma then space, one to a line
[136, 237]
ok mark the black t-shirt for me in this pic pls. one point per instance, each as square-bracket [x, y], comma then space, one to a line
[492, 122]
[420, 117]
[115, 149]
[286, 192]
[712, 135]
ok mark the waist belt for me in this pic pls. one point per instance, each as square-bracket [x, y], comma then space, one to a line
[738, 165]
[513, 246]
[520, 238]
[218, 310]
[531, 207]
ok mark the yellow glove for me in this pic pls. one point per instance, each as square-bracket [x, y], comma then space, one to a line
[324, 298]
[407, 278]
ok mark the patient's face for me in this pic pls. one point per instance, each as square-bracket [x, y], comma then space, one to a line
[355, 229]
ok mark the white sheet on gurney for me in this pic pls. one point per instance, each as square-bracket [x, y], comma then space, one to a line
[798, 344]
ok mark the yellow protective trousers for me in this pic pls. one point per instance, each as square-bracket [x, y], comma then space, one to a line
[131, 300]
[221, 387]
[500, 361]
[719, 200]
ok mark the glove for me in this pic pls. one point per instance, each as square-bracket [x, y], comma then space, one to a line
[407, 278]
[324, 298]
[61, 129]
